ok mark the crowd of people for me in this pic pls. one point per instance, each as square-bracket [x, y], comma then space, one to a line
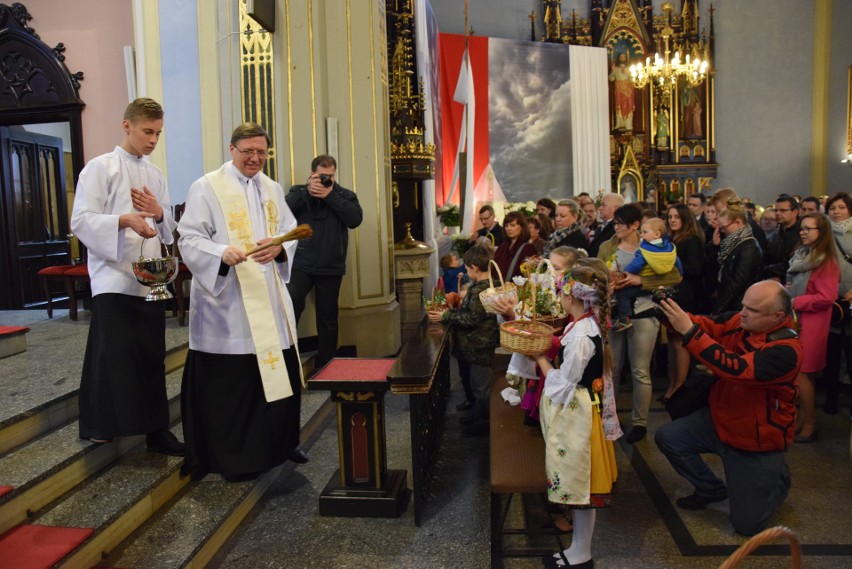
[745, 298]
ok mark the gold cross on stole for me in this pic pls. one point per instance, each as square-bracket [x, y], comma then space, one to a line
[271, 360]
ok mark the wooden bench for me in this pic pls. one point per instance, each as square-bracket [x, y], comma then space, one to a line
[517, 467]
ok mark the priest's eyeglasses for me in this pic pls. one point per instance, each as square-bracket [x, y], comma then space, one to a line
[262, 154]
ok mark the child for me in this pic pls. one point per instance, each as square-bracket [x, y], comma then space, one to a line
[451, 268]
[656, 255]
[578, 418]
[475, 337]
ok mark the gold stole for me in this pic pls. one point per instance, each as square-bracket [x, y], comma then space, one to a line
[258, 305]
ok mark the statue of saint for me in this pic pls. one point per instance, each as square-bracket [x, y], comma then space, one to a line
[619, 76]
[662, 129]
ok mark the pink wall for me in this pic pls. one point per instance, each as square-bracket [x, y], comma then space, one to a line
[94, 33]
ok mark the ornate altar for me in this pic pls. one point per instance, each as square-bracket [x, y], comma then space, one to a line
[412, 160]
[661, 120]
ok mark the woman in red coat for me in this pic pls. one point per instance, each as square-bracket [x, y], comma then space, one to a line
[813, 278]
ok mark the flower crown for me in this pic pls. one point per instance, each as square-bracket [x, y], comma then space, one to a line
[569, 286]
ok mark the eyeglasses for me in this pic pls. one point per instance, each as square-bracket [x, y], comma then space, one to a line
[262, 154]
[782, 210]
[804, 229]
[616, 222]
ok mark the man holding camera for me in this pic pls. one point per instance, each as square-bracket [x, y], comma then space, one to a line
[755, 356]
[320, 262]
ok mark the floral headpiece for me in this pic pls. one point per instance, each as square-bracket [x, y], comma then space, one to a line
[587, 293]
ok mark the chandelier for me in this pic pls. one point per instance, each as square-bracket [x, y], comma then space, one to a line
[664, 71]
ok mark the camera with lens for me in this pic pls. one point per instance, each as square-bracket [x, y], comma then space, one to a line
[660, 294]
[326, 180]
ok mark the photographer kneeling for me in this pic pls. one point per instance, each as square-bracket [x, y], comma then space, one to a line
[755, 356]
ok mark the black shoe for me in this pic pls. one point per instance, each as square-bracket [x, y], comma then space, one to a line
[298, 456]
[550, 562]
[164, 442]
[465, 405]
[98, 440]
[636, 434]
[697, 502]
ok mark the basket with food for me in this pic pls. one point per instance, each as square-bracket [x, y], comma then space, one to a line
[505, 292]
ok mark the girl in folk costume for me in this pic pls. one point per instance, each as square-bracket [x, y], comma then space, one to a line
[578, 418]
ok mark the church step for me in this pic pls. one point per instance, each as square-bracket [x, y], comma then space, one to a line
[195, 526]
[46, 468]
[39, 387]
[115, 501]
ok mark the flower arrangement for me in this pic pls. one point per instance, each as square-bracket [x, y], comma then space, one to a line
[540, 272]
[450, 215]
[527, 209]
[459, 243]
[437, 302]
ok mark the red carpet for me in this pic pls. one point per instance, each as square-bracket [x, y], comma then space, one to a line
[5, 490]
[38, 547]
[341, 369]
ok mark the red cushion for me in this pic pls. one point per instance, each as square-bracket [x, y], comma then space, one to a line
[78, 271]
[11, 331]
[55, 270]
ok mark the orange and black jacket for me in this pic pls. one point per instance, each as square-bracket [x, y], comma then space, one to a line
[753, 402]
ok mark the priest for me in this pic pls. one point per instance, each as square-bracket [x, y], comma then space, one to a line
[242, 380]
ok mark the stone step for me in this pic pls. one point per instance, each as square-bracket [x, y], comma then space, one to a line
[46, 468]
[115, 501]
[38, 388]
[190, 531]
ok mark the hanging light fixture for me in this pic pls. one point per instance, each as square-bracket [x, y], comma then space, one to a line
[664, 71]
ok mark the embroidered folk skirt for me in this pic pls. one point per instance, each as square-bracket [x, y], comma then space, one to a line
[580, 461]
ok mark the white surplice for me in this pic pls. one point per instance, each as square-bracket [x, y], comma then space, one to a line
[102, 195]
[217, 318]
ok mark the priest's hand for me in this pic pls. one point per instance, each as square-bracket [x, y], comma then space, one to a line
[268, 254]
[144, 200]
[233, 256]
[136, 222]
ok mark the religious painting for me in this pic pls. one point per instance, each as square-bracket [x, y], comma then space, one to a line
[516, 121]
[624, 49]
[691, 106]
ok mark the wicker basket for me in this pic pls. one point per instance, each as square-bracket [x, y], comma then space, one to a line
[767, 535]
[528, 337]
[505, 291]
[525, 337]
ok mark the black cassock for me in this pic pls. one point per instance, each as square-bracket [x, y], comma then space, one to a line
[123, 385]
[228, 426]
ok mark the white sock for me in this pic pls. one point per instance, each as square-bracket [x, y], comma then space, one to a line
[581, 541]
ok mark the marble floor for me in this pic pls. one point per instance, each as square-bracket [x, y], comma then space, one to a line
[642, 529]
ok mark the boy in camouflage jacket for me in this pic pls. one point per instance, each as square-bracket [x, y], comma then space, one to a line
[476, 335]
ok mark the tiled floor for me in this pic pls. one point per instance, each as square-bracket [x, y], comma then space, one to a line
[642, 529]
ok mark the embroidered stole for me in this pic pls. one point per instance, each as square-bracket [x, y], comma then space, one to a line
[258, 305]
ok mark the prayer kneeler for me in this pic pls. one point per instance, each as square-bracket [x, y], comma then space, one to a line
[362, 486]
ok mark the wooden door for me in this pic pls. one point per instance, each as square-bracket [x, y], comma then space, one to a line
[35, 214]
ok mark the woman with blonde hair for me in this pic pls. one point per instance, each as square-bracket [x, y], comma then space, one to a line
[569, 228]
[739, 257]
[813, 278]
[578, 417]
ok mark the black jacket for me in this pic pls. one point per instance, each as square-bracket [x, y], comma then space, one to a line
[741, 269]
[601, 237]
[780, 250]
[331, 219]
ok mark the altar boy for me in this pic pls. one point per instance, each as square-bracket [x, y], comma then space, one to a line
[121, 211]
